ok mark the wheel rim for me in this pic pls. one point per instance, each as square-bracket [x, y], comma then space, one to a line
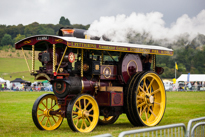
[47, 121]
[151, 99]
[85, 113]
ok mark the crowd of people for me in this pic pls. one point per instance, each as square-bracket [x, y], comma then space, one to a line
[192, 86]
[26, 87]
[3, 86]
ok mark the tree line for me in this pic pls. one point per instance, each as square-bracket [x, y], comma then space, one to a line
[189, 58]
[10, 34]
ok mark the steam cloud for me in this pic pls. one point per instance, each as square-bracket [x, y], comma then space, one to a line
[122, 28]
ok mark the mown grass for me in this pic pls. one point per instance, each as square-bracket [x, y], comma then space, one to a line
[16, 119]
[16, 68]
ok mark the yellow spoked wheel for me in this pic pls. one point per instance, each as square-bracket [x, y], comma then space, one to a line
[109, 120]
[148, 99]
[82, 113]
[41, 112]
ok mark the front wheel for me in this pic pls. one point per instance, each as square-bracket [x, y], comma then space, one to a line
[82, 113]
[41, 112]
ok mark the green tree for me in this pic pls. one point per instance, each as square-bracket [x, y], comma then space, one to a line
[31, 29]
[6, 40]
[18, 38]
[42, 29]
[64, 21]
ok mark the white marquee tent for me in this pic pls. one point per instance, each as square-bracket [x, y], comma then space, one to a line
[192, 77]
[2, 80]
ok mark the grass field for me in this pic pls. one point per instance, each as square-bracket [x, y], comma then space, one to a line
[16, 119]
[16, 68]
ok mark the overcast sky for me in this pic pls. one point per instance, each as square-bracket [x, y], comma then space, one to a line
[14, 12]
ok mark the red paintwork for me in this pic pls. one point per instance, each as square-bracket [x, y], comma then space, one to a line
[113, 73]
[33, 40]
[106, 98]
[128, 67]
[54, 40]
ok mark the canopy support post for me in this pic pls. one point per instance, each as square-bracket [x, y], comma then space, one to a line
[26, 60]
[154, 62]
[33, 58]
[54, 57]
[61, 59]
[81, 63]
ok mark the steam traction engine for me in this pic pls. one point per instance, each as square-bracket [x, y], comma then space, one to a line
[94, 81]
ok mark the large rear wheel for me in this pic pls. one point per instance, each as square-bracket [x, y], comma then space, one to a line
[83, 113]
[128, 98]
[148, 99]
[41, 112]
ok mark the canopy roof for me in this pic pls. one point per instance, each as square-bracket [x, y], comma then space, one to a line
[2, 80]
[72, 42]
[192, 77]
[19, 80]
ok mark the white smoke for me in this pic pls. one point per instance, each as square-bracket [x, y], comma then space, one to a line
[150, 25]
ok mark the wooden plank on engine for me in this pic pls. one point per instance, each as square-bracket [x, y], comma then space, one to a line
[111, 88]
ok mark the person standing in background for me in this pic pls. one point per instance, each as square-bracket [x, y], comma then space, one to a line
[189, 86]
[5, 86]
[2, 87]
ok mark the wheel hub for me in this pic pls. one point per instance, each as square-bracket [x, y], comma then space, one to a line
[149, 99]
[58, 86]
[46, 112]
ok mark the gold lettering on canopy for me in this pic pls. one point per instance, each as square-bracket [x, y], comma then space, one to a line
[27, 42]
[58, 40]
[117, 48]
